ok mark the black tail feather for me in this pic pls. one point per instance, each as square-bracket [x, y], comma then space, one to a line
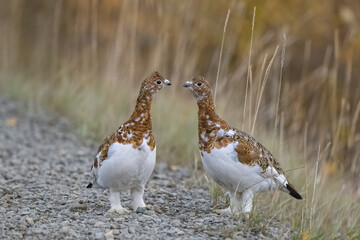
[293, 192]
[89, 186]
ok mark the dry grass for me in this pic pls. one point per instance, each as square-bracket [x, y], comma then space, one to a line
[288, 78]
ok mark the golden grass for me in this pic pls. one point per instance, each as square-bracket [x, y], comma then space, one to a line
[86, 61]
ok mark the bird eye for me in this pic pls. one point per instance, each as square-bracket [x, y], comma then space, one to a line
[199, 84]
[158, 82]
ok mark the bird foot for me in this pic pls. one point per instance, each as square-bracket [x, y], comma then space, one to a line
[119, 210]
[223, 211]
[239, 214]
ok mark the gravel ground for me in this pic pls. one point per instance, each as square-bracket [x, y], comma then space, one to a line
[43, 173]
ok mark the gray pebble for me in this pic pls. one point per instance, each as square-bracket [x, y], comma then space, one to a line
[23, 227]
[99, 236]
[30, 221]
[140, 210]
[131, 230]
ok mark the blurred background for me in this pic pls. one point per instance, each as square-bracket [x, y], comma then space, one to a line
[289, 75]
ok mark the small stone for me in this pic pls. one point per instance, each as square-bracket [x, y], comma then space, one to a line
[98, 224]
[80, 206]
[176, 223]
[23, 213]
[160, 201]
[171, 231]
[109, 235]
[62, 153]
[72, 232]
[23, 227]
[183, 218]
[98, 236]
[68, 230]
[140, 210]
[163, 225]
[198, 225]
[30, 221]
[64, 223]
[131, 230]
[80, 153]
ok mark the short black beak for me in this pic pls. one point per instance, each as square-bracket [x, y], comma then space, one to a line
[187, 84]
[167, 82]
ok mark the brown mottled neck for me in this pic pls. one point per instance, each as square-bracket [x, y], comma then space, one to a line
[143, 102]
[209, 120]
[210, 126]
[141, 114]
[206, 107]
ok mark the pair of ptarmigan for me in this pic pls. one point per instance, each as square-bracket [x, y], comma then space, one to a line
[237, 162]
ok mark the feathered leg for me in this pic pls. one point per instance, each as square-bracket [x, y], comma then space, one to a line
[247, 199]
[115, 203]
[236, 204]
[137, 198]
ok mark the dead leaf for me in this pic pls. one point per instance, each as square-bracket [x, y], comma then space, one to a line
[11, 122]
[330, 168]
[174, 167]
[305, 235]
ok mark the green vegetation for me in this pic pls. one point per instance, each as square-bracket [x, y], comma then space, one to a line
[290, 79]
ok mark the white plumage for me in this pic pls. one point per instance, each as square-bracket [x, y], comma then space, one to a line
[235, 177]
[125, 167]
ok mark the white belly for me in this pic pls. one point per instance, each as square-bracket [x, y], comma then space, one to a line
[126, 167]
[223, 166]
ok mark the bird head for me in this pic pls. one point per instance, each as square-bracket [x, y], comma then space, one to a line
[199, 87]
[154, 83]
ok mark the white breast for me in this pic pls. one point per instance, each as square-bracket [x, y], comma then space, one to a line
[126, 167]
[224, 167]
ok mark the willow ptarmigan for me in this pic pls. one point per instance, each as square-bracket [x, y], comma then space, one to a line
[234, 159]
[126, 158]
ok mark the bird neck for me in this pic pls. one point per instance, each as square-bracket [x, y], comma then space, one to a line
[143, 102]
[208, 119]
[141, 115]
